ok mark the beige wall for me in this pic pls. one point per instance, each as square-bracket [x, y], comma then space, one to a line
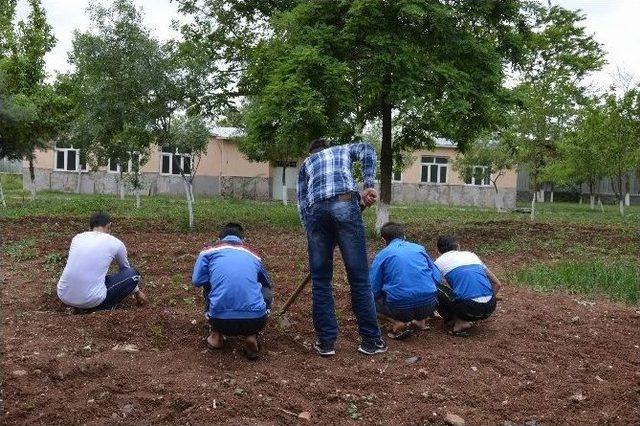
[413, 173]
[221, 155]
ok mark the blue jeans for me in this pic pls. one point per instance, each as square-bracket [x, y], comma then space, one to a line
[334, 222]
[119, 286]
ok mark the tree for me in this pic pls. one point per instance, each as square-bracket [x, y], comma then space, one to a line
[436, 67]
[580, 151]
[551, 87]
[123, 91]
[622, 136]
[31, 106]
[487, 159]
[188, 135]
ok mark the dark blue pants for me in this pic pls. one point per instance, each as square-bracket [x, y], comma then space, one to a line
[335, 222]
[119, 286]
[449, 307]
[417, 313]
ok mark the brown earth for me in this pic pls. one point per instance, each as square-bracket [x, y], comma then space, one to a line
[541, 359]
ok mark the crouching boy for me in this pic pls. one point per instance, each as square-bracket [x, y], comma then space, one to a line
[469, 293]
[403, 279]
[236, 289]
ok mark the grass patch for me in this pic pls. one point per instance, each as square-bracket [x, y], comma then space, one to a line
[23, 249]
[616, 279]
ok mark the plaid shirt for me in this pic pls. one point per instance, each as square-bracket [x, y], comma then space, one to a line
[327, 173]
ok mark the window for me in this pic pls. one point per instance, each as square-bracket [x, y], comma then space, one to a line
[174, 161]
[434, 169]
[397, 176]
[69, 159]
[478, 175]
[114, 167]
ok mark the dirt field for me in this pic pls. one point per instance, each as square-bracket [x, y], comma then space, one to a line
[541, 359]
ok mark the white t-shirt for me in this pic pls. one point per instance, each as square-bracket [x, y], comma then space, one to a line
[82, 283]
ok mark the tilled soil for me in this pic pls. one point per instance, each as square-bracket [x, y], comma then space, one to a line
[541, 359]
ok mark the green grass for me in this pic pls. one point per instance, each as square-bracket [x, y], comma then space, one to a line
[22, 250]
[617, 279]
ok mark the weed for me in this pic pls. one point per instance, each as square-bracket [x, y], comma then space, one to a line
[352, 411]
[23, 249]
[618, 279]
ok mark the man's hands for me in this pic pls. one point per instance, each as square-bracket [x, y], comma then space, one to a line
[369, 197]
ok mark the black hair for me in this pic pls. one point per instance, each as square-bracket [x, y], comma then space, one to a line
[447, 243]
[392, 230]
[232, 228]
[99, 219]
[318, 145]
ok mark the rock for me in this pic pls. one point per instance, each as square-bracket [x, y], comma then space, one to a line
[412, 360]
[423, 372]
[575, 320]
[578, 397]
[508, 423]
[37, 372]
[91, 401]
[126, 347]
[305, 415]
[531, 423]
[439, 397]
[238, 391]
[194, 322]
[454, 420]
[474, 368]
[600, 379]
[86, 348]
[127, 409]
[19, 373]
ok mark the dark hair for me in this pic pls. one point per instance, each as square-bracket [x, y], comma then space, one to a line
[392, 230]
[318, 145]
[232, 228]
[447, 243]
[99, 219]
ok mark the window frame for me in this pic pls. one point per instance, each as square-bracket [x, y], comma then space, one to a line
[79, 166]
[171, 154]
[439, 165]
[129, 164]
[486, 176]
[393, 177]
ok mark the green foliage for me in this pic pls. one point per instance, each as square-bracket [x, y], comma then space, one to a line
[30, 109]
[23, 249]
[551, 88]
[492, 153]
[615, 278]
[311, 69]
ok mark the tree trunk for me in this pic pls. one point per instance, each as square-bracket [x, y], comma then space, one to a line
[4, 203]
[32, 179]
[137, 198]
[621, 206]
[600, 204]
[541, 199]
[497, 200]
[627, 199]
[79, 184]
[533, 206]
[551, 197]
[187, 189]
[193, 197]
[284, 185]
[121, 186]
[592, 202]
[386, 164]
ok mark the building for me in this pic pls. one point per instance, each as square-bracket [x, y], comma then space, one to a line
[224, 170]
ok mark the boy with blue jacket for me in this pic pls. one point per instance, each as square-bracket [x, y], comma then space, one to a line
[236, 288]
[403, 279]
[468, 291]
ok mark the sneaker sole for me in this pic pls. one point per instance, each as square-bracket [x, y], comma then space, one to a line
[377, 351]
[325, 354]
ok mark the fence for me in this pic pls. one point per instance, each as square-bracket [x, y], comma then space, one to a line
[7, 166]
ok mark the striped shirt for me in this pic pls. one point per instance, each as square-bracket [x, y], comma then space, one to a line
[328, 173]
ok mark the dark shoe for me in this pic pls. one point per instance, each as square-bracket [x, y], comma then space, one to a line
[324, 349]
[372, 347]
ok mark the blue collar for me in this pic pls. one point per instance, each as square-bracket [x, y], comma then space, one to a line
[232, 239]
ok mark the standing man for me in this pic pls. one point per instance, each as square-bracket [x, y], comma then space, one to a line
[329, 207]
[84, 283]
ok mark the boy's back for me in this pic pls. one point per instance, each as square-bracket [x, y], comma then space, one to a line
[465, 273]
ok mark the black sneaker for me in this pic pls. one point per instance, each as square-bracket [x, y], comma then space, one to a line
[324, 349]
[372, 347]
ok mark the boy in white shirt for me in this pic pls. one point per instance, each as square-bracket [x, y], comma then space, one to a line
[468, 292]
[84, 283]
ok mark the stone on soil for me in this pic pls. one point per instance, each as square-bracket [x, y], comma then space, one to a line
[454, 420]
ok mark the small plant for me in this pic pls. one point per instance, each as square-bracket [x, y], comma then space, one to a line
[157, 333]
[53, 261]
[352, 410]
[23, 249]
